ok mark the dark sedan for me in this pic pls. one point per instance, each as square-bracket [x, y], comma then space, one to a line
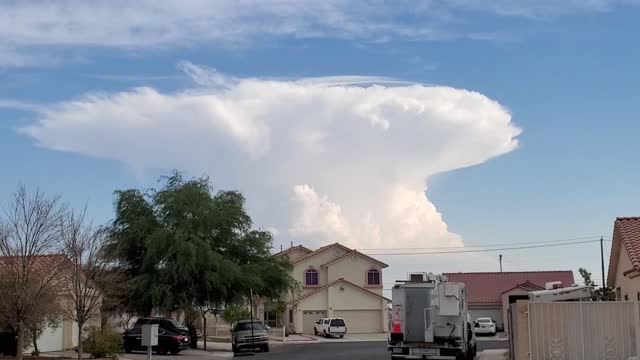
[168, 342]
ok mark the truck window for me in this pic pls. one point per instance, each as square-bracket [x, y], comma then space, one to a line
[337, 322]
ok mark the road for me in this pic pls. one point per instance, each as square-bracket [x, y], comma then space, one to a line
[349, 351]
[316, 351]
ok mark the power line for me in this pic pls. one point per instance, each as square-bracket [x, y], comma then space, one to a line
[486, 245]
[487, 250]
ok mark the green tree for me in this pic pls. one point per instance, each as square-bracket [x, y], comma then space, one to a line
[598, 294]
[181, 247]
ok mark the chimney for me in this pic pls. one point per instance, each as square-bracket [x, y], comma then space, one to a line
[291, 243]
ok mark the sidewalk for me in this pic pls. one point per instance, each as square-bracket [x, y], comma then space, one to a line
[501, 354]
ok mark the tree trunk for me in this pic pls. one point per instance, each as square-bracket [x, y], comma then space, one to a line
[204, 330]
[20, 344]
[80, 353]
[34, 334]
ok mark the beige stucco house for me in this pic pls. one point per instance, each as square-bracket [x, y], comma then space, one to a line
[624, 263]
[336, 281]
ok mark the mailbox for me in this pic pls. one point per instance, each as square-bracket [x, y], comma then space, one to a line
[150, 335]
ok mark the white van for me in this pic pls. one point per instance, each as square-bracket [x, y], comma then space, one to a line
[330, 327]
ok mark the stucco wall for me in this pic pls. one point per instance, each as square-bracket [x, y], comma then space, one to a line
[521, 334]
[316, 263]
[505, 306]
[628, 287]
[345, 297]
[315, 302]
[355, 272]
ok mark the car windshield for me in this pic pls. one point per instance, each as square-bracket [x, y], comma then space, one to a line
[176, 323]
[484, 321]
[337, 322]
[247, 326]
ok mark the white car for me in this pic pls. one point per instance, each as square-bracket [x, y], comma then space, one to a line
[485, 326]
[330, 327]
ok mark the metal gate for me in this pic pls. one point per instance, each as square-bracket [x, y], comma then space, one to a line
[584, 330]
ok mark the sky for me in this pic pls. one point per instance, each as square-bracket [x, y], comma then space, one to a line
[380, 125]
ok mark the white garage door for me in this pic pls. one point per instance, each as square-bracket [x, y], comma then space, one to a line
[52, 339]
[309, 319]
[361, 321]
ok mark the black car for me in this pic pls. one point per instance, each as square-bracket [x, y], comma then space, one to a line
[168, 324]
[168, 342]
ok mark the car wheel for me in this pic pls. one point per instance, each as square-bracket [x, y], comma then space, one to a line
[315, 331]
[127, 350]
[341, 336]
[175, 352]
[265, 348]
[234, 348]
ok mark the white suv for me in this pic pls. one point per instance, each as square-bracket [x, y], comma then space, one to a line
[330, 327]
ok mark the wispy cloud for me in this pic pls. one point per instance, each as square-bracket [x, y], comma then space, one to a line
[31, 28]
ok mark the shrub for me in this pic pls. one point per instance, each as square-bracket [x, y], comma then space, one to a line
[102, 343]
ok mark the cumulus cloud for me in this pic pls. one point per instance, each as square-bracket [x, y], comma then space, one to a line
[32, 29]
[319, 161]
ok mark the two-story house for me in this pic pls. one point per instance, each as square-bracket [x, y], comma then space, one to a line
[624, 262]
[336, 282]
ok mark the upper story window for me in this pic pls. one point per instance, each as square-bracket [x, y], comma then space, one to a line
[373, 277]
[311, 278]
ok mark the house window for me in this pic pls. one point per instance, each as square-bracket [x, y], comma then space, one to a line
[311, 278]
[626, 298]
[373, 277]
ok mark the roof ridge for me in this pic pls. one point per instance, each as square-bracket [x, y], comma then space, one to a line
[622, 218]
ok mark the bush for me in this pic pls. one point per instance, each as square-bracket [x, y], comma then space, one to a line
[102, 343]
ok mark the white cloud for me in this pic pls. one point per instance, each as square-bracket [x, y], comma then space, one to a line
[326, 163]
[30, 30]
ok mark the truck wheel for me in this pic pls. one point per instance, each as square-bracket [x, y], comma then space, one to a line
[265, 348]
[324, 333]
[315, 331]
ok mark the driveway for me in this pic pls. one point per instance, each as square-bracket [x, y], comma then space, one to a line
[184, 355]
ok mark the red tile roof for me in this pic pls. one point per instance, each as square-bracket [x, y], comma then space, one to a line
[286, 251]
[39, 263]
[320, 250]
[487, 288]
[626, 235]
[357, 253]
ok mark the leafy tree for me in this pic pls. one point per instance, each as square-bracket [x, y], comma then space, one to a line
[183, 247]
[234, 313]
[598, 294]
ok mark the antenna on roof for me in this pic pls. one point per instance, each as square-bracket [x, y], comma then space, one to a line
[500, 257]
[291, 243]
[280, 247]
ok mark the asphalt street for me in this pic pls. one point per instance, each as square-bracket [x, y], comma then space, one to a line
[316, 351]
[348, 351]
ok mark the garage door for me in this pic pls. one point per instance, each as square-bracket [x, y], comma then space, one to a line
[52, 339]
[361, 321]
[309, 319]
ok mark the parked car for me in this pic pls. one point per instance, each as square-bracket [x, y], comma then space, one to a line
[168, 342]
[249, 335]
[485, 326]
[330, 327]
[170, 325]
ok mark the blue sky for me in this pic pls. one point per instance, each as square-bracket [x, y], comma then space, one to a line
[566, 73]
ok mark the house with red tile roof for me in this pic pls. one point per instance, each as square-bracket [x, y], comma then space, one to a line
[336, 281]
[63, 334]
[490, 293]
[624, 262]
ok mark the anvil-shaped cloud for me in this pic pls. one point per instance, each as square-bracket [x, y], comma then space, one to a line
[321, 160]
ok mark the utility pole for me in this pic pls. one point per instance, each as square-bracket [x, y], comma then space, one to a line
[604, 280]
[500, 257]
[253, 338]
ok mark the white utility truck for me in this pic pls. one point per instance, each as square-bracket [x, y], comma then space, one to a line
[429, 320]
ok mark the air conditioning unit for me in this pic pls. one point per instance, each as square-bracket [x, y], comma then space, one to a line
[417, 277]
[553, 285]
